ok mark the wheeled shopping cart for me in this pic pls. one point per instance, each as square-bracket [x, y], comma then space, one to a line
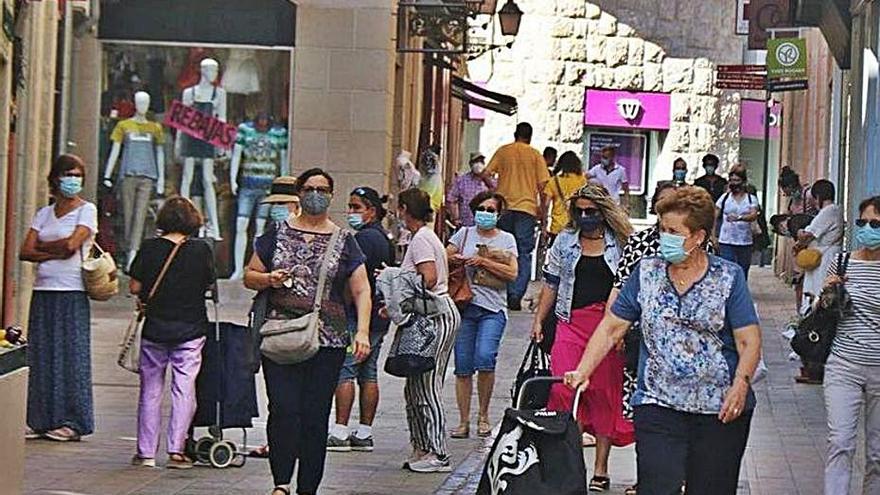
[226, 393]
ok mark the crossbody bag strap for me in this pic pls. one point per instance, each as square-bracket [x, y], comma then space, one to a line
[325, 267]
[559, 189]
[842, 263]
[162, 273]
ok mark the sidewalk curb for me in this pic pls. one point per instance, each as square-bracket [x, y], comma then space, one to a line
[466, 476]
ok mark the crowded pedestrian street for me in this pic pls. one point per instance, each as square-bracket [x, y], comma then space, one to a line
[452, 247]
[784, 455]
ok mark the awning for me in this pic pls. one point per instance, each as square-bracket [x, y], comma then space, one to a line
[834, 20]
[472, 94]
[269, 23]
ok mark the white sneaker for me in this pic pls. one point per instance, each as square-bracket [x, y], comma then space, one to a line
[143, 462]
[430, 464]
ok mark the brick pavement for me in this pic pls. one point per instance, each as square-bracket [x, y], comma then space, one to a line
[784, 455]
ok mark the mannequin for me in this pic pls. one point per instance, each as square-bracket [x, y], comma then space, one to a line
[139, 140]
[210, 99]
[260, 153]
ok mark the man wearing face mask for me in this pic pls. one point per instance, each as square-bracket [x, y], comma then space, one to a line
[712, 182]
[611, 175]
[465, 188]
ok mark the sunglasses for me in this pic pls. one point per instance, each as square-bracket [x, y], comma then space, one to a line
[587, 212]
[875, 224]
[490, 209]
[320, 189]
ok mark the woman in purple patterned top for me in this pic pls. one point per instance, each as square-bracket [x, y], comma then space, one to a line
[287, 263]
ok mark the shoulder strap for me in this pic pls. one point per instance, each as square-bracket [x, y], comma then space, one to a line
[842, 263]
[325, 267]
[467, 230]
[165, 267]
[559, 188]
[724, 202]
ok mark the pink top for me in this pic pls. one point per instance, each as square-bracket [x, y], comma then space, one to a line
[426, 246]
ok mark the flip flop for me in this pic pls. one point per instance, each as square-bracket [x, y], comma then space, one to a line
[260, 452]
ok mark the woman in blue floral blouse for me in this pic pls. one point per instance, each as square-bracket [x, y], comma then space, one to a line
[701, 345]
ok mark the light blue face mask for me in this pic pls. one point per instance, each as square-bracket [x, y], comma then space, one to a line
[70, 186]
[279, 213]
[672, 248]
[356, 220]
[679, 175]
[868, 237]
[486, 220]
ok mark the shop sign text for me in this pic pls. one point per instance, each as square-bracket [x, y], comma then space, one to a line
[200, 126]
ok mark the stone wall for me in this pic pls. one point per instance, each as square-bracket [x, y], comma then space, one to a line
[566, 46]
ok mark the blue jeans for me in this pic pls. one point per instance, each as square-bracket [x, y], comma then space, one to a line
[478, 339]
[522, 226]
[250, 200]
[741, 255]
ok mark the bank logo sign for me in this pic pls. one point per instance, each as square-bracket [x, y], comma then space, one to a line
[787, 58]
[629, 108]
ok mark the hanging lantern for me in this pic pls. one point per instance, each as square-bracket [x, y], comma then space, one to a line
[510, 17]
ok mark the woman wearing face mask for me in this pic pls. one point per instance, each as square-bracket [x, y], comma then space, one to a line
[483, 320]
[365, 215]
[579, 275]
[283, 201]
[287, 262]
[737, 209]
[679, 171]
[851, 378]
[60, 382]
[693, 403]
[567, 181]
[423, 393]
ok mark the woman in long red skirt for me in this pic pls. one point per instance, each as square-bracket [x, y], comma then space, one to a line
[579, 275]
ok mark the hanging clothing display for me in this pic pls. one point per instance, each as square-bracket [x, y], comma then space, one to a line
[242, 73]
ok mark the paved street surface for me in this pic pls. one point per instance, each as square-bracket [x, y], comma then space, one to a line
[784, 456]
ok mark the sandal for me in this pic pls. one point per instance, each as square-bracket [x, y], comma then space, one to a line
[632, 490]
[463, 431]
[260, 452]
[179, 461]
[63, 434]
[484, 429]
[600, 484]
[588, 440]
[280, 489]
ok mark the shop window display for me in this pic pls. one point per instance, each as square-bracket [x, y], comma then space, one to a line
[247, 89]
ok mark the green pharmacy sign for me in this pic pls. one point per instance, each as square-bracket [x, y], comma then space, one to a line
[787, 58]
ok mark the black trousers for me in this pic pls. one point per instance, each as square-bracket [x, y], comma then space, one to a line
[300, 397]
[673, 447]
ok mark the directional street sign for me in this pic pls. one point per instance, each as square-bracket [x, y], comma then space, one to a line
[742, 68]
[779, 86]
[740, 85]
[787, 57]
[741, 76]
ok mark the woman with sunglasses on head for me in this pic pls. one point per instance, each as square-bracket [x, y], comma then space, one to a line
[59, 403]
[483, 319]
[851, 373]
[288, 261]
[579, 276]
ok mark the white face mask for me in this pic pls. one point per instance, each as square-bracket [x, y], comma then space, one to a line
[478, 167]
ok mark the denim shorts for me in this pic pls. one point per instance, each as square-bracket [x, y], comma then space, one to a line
[478, 339]
[366, 371]
[249, 199]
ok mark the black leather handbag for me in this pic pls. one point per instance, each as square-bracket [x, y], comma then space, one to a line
[816, 330]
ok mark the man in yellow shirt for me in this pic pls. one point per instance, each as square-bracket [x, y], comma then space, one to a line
[522, 174]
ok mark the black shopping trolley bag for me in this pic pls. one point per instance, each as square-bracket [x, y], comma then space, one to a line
[536, 452]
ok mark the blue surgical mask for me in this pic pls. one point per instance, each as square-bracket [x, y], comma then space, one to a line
[672, 248]
[356, 220]
[279, 213]
[315, 203]
[486, 220]
[590, 223]
[679, 175]
[710, 169]
[70, 186]
[868, 237]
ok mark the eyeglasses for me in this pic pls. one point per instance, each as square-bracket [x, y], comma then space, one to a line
[587, 212]
[320, 189]
[490, 209]
[72, 174]
[875, 224]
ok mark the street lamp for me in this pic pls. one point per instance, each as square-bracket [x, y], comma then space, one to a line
[510, 17]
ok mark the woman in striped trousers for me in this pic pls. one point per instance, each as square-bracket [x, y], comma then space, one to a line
[424, 405]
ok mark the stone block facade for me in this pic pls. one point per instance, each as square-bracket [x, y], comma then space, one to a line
[669, 46]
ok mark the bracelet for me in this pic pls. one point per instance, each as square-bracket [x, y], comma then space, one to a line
[744, 377]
